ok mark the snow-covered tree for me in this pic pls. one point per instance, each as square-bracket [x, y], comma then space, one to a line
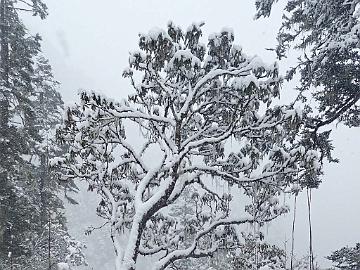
[255, 253]
[205, 113]
[346, 258]
[32, 224]
[247, 255]
[249, 252]
[327, 32]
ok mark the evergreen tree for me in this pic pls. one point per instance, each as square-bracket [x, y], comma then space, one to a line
[330, 30]
[347, 258]
[327, 33]
[31, 218]
[18, 133]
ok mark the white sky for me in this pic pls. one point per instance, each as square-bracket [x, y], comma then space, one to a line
[87, 42]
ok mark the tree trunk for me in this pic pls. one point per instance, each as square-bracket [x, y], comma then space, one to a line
[4, 123]
[43, 178]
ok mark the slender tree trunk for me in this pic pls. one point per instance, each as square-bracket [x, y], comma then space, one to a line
[4, 123]
[293, 236]
[43, 177]
[311, 257]
[4, 43]
[42, 190]
[49, 241]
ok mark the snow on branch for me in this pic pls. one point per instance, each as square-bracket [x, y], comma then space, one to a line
[191, 103]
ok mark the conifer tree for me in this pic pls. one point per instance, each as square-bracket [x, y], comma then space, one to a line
[347, 258]
[31, 218]
[326, 32]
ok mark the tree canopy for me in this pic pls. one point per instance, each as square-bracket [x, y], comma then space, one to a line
[327, 33]
[33, 231]
[346, 258]
[191, 101]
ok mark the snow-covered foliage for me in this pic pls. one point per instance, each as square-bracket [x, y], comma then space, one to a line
[346, 258]
[250, 253]
[264, 7]
[255, 252]
[63, 266]
[63, 250]
[328, 31]
[192, 101]
[32, 225]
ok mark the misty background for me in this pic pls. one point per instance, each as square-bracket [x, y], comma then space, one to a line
[88, 42]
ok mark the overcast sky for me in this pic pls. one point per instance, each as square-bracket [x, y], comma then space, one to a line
[87, 42]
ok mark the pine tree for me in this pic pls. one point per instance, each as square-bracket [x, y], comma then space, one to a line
[31, 216]
[327, 33]
[346, 258]
[17, 131]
